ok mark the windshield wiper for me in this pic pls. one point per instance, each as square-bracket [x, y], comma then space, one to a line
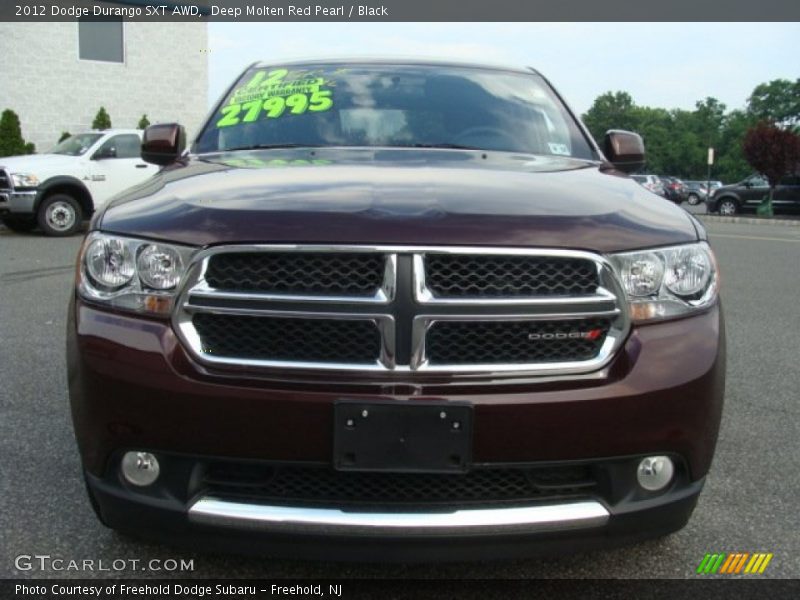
[270, 147]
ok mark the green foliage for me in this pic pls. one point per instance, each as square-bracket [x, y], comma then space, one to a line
[11, 141]
[144, 122]
[677, 140]
[731, 165]
[612, 110]
[777, 101]
[64, 135]
[101, 120]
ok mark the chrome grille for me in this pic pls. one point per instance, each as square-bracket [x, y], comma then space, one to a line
[288, 339]
[297, 273]
[389, 310]
[469, 276]
[515, 342]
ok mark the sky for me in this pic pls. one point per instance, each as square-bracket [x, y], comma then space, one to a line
[668, 65]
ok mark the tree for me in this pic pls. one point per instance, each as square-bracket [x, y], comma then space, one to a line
[101, 120]
[612, 110]
[11, 141]
[773, 152]
[730, 163]
[144, 122]
[709, 118]
[777, 101]
[64, 135]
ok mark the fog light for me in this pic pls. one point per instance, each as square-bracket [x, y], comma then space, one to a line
[655, 472]
[140, 468]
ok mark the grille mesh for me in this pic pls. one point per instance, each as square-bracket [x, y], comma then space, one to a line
[273, 338]
[323, 485]
[464, 276]
[494, 342]
[297, 272]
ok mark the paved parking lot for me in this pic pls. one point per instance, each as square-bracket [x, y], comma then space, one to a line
[750, 502]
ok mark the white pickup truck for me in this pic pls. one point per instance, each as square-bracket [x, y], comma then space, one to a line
[61, 188]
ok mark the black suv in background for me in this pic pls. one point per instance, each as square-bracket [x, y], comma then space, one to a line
[748, 194]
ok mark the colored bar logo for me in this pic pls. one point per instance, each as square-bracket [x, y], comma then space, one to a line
[734, 563]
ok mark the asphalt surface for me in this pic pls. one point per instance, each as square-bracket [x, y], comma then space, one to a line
[750, 502]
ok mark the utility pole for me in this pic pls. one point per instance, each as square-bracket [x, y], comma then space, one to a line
[708, 173]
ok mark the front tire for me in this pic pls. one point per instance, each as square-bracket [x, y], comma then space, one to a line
[728, 207]
[693, 199]
[59, 215]
[19, 224]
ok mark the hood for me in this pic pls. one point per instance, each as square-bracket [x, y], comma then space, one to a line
[31, 163]
[397, 196]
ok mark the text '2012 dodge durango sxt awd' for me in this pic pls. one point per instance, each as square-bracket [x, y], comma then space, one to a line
[397, 311]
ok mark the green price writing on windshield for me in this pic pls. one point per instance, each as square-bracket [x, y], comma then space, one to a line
[271, 94]
[274, 107]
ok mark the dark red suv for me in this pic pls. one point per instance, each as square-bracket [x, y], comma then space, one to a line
[395, 311]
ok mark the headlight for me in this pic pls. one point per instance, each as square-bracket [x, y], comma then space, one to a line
[23, 180]
[109, 263]
[131, 274]
[160, 267]
[668, 282]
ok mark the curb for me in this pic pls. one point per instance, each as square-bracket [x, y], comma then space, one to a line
[749, 220]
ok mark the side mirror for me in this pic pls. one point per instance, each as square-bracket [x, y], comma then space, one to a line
[163, 144]
[624, 150]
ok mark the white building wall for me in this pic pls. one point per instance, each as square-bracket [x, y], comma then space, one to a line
[165, 75]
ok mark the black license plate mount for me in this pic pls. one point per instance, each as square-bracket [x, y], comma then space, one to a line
[418, 437]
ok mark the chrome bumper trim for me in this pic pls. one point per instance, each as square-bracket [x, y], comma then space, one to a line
[526, 519]
[18, 202]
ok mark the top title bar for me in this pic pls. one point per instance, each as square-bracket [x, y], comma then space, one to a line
[404, 10]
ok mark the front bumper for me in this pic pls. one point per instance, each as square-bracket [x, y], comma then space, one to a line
[132, 386]
[17, 202]
[247, 527]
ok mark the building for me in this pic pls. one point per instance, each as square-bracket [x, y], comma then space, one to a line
[57, 75]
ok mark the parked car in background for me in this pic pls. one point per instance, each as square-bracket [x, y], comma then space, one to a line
[696, 192]
[746, 195]
[674, 189]
[59, 189]
[650, 182]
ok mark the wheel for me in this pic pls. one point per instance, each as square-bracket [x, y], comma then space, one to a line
[19, 224]
[59, 215]
[728, 207]
[693, 199]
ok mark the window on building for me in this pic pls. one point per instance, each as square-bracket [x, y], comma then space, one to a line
[101, 40]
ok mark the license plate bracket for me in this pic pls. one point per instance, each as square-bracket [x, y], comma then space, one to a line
[418, 437]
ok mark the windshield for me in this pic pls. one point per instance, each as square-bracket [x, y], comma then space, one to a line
[76, 145]
[395, 106]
